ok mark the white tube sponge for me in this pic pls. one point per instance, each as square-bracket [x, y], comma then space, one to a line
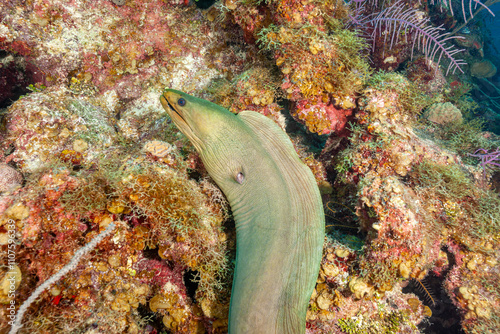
[66, 269]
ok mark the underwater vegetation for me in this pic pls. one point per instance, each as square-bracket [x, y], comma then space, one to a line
[392, 104]
[159, 215]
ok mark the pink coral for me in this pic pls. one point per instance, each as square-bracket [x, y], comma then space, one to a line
[321, 118]
[10, 179]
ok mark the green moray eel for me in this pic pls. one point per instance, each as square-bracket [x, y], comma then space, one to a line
[276, 205]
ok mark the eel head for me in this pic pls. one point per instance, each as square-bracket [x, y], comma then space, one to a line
[198, 119]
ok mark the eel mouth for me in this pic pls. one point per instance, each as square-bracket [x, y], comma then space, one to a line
[166, 103]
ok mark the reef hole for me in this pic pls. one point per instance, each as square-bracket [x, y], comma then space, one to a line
[153, 322]
[204, 4]
[16, 75]
[191, 281]
[445, 316]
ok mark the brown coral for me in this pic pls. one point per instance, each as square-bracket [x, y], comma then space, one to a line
[442, 113]
[483, 69]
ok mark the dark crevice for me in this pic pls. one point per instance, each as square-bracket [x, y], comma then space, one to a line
[430, 291]
[204, 4]
[15, 77]
[151, 254]
[154, 322]
[193, 174]
[191, 282]
[87, 223]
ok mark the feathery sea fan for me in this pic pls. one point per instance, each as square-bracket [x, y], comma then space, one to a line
[447, 5]
[431, 41]
[488, 159]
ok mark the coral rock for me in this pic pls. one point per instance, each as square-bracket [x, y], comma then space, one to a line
[17, 211]
[158, 148]
[80, 145]
[483, 69]
[9, 282]
[324, 300]
[442, 113]
[10, 179]
[360, 289]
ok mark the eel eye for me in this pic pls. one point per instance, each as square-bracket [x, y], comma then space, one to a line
[240, 178]
[181, 102]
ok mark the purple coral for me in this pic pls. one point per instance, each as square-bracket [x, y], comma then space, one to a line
[397, 19]
[488, 158]
[442, 4]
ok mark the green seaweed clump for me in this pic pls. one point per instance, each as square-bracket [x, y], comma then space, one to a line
[463, 138]
[317, 62]
[388, 323]
[411, 97]
[469, 212]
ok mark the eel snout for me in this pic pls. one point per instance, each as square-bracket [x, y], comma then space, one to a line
[167, 100]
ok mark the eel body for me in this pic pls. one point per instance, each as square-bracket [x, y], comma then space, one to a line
[276, 206]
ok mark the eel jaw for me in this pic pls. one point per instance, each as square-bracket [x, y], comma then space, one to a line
[180, 119]
[166, 103]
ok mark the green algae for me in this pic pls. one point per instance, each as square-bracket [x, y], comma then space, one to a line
[473, 210]
[387, 322]
[346, 69]
[413, 100]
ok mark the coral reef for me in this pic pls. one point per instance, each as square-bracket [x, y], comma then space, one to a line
[483, 69]
[77, 142]
[10, 179]
[396, 19]
[406, 173]
[15, 77]
[255, 89]
[321, 65]
[17, 324]
[443, 113]
[156, 207]
[416, 201]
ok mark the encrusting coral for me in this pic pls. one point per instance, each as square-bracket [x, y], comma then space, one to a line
[410, 223]
[155, 207]
[85, 169]
[443, 113]
[10, 179]
[321, 65]
[483, 69]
